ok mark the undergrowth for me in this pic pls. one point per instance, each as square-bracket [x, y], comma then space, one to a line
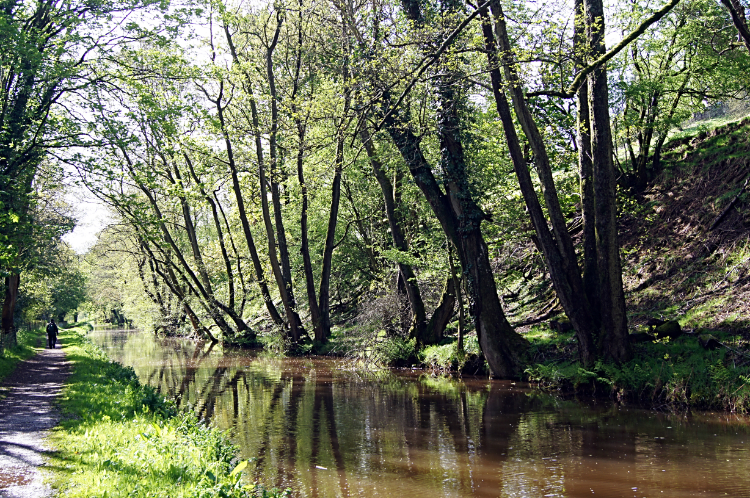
[677, 373]
[444, 358]
[27, 342]
[121, 438]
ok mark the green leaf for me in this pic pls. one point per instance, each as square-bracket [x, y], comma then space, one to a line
[239, 468]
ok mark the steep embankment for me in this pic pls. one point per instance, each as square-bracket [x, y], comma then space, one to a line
[682, 258]
[686, 256]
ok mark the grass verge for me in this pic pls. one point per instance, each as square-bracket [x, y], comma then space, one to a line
[119, 438]
[26, 348]
[668, 373]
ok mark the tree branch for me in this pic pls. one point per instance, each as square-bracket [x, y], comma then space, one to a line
[573, 88]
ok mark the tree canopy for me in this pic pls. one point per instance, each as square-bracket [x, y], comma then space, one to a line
[289, 168]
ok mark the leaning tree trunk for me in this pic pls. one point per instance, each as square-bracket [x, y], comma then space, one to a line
[503, 348]
[460, 216]
[444, 312]
[419, 328]
[557, 250]
[259, 272]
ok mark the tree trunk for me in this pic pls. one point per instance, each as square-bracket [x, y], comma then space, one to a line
[12, 283]
[613, 337]
[563, 272]
[312, 298]
[200, 286]
[502, 346]
[419, 328]
[737, 11]
[443, 313]
[219, 233]
[170, 279]
[459, 296]
[585, 172]
[259, 273]
[324, 303]
[286, 289]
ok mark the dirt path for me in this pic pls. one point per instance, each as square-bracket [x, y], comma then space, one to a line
[27, 414]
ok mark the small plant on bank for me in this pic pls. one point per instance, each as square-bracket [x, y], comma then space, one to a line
[444, 358]
[392, 351]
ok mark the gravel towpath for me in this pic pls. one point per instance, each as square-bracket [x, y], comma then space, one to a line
[27, 414]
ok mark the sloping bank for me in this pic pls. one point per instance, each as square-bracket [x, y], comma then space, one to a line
[121, 438]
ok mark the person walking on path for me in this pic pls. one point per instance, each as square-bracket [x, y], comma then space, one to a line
[51, 334]
[27, 414]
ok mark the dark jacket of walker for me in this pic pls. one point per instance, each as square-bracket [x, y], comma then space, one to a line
[51, 335]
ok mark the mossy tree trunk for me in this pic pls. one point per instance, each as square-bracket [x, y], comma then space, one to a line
[459, 215]
[613, 330]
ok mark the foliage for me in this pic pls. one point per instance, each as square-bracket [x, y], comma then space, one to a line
[56, 289]
[235, 161]
[121, 438]
[45, 53]
[678, 373]
[691, 63]
[393, 352]
[28, 341]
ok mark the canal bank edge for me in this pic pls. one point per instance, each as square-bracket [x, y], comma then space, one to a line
[119, 437]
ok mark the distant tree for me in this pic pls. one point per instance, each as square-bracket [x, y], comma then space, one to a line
[692, 60]
[45, 50]
[54, 289]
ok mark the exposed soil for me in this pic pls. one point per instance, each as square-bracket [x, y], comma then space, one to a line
[681, 258]
[27, 413]
[675, 264]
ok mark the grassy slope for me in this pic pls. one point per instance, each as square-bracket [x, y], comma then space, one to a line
[28, 340]
[676, 268]
[120, 438]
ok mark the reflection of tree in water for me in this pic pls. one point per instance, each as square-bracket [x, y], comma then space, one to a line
[336, 433]
[327, 432]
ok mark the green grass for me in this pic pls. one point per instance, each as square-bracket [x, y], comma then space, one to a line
[677, 373]
[695, 127]
[119, 438]
[28, 340]
[444, 358]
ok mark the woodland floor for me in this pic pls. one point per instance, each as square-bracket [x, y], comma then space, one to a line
[679, 262]
[27, 413]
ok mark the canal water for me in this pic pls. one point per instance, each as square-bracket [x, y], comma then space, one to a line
[325, 429]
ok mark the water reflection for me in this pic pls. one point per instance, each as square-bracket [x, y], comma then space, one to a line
[326, 430]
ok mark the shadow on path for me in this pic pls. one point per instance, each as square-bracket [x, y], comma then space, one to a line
[27, 414]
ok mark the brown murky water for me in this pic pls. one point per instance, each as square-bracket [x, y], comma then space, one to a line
[326, 430]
